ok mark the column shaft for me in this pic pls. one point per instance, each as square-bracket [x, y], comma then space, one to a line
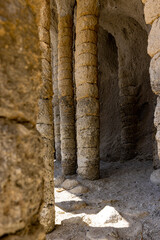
[86, 74]
[66, 100]
[45, 120]
[57, 135]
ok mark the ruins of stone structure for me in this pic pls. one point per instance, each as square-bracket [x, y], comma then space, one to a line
[89, 58]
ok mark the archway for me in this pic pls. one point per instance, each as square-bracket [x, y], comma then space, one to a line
[126, 100]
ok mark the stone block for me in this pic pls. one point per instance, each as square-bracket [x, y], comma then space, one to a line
[89, 7]
[46, 130]
[157, 113]
[86, 74]
[67, 143]
[69, 184]
[154, 38]
[86, 59]
[86, 48]
[151, 10]
[87, 106]
[155, 74]
[87, 90]
[66, 91]
[45, 114]
[86, 36]
[21, 176]
[88, 138]
[87, 122]
[89, 22]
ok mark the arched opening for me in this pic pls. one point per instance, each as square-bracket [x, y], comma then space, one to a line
[126, 99]
[110, 124]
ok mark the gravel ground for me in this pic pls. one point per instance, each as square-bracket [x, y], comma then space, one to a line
[122, 205]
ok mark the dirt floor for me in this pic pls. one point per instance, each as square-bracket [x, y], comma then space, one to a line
[122, 205]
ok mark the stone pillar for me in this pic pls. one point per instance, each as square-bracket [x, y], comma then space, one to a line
[152, 16]
[65, 86]
[45, 119]
[128, 105]
[57, 135]
[86, 71]
[21, 164]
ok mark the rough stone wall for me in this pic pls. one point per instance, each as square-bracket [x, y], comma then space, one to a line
[152, 16]
[21, 165]
[65, 87]
[86, 67]
[45, 118]
[110, 124]
[124, 20]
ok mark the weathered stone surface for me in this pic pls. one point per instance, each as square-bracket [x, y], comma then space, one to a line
[108, 215]
[151, 10]
[47, 217]
[45, 115]
[153, 39]
[155, 177]
[69, 184]
[21, 170]
[65, 87]
[45, 130]
[94, 234]
[59, 180]
[21, 165]
[65, 7]
[45, 120]
[79, 190]
[15, 101]
[155, 73]
[157, 113]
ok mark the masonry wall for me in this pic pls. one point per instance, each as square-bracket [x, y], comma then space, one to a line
[21, 164]
[152, 17]
[126, 99]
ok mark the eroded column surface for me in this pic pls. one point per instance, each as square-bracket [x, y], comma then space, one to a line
[86, 89]
[128, 106]
[45, 119]
[152, 16]
[65, 87]
[54, 43]
[21, 164]
[57, 135]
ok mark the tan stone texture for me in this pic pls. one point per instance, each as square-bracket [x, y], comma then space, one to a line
[21, 164]
[86, 89]
[65, 7]
[151, 10]
[65, 91]
[89, 7]
[45, 119]
[155, 74]
[86, 48]
[154, 38]
[16, 40]
[86, 74]
[54, 41]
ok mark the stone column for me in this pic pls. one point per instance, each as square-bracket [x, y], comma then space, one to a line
[57, 135]
[152, 16]
[128, 105]
[86, 69]
[21, 164]
[45, 119]
[65, 86]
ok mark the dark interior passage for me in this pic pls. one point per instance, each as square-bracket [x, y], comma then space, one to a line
[126, 99]
[110, 124]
